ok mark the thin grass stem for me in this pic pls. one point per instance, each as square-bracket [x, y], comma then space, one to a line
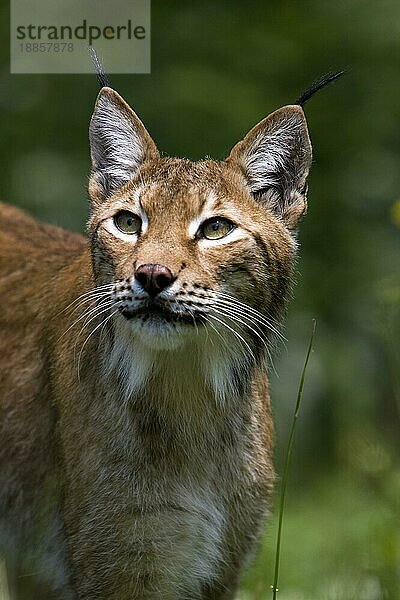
[288, 456]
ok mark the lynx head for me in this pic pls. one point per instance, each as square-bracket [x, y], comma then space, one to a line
[196, 252]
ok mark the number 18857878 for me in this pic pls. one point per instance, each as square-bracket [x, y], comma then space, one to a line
[47, 47]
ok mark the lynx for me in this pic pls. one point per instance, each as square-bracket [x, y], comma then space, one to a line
[135, 421]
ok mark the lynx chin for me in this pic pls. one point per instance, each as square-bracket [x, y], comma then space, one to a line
[135, 422]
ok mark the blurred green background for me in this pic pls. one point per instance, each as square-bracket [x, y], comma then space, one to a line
[217, 69]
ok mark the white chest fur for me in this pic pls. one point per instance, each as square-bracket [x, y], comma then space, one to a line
[180, 545]
[175, 475]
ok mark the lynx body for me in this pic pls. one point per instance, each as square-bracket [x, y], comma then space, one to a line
[135, 423]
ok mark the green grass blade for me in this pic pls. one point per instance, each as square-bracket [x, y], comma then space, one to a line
[287, 464]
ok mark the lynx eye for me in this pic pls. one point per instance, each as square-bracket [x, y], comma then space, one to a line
[127, 222]
[216, 228]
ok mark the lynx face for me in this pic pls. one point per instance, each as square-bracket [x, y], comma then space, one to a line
[191, 251]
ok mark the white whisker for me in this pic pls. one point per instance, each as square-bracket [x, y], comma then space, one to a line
[102, 323]
[98, 289]
[245, 305]
[262, 318]
[230, 307]
[235, 333]
[247, 323]
[219, 334]
[90, 299]
[250, 325]
[88, 312]
[94, 313]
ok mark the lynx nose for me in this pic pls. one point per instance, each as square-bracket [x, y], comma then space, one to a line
[154, 278]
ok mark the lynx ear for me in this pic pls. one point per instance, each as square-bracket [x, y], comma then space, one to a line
[119, 144]
[275, 157]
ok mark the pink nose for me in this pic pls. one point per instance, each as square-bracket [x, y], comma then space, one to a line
[153, 278]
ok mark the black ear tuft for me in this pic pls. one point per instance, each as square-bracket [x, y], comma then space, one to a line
[101, 76]
[317, 85]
